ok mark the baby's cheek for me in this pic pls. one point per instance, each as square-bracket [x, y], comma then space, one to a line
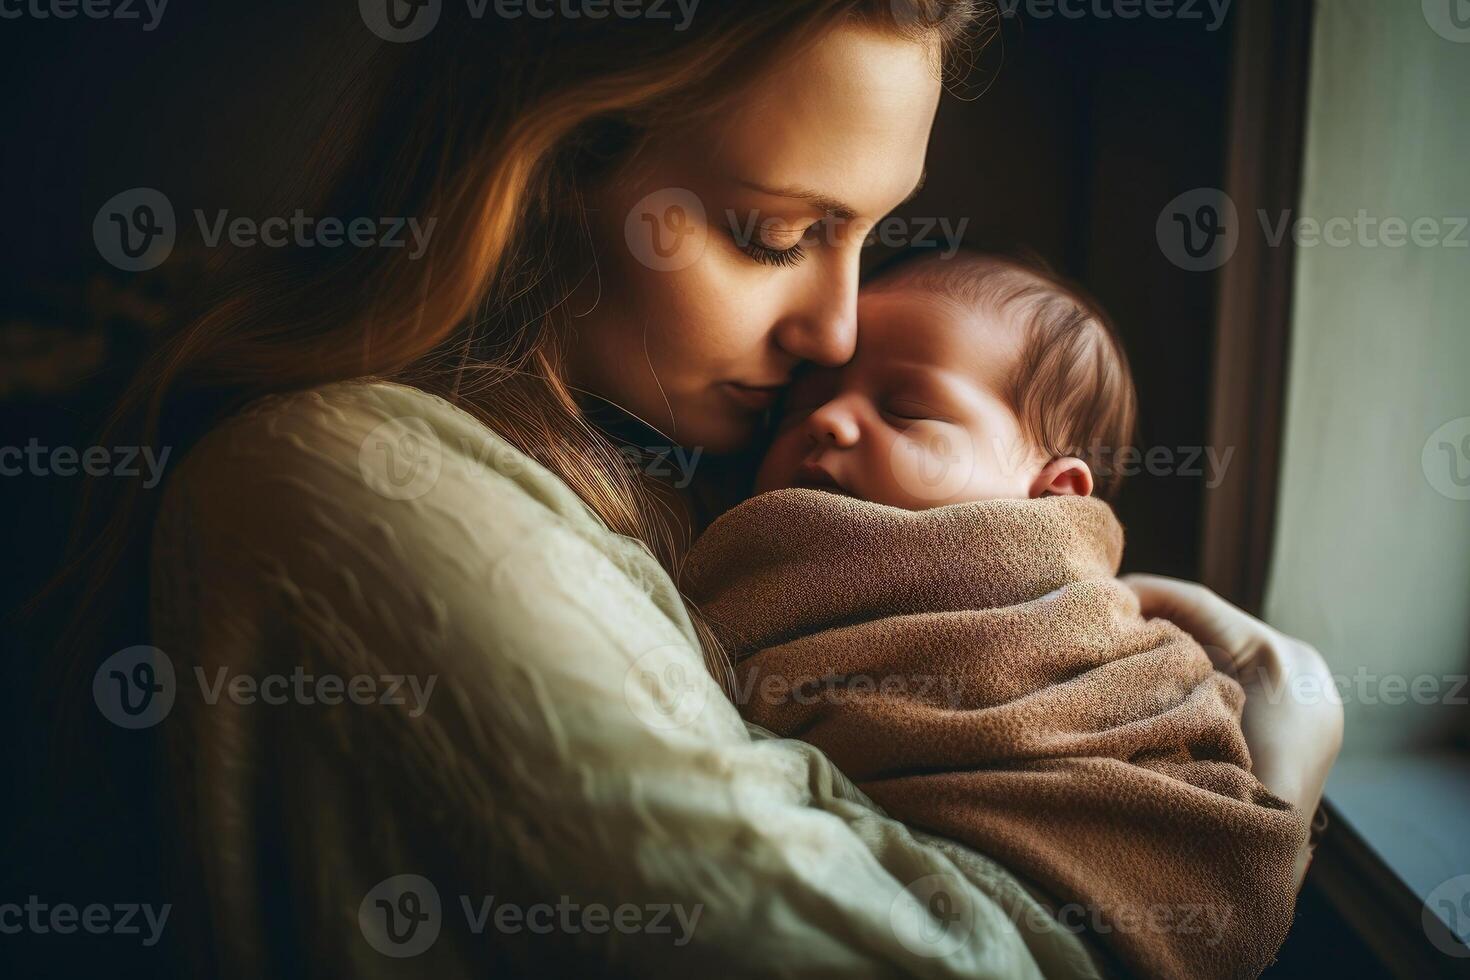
[1008, 464]
[933, 463]
[778, 469]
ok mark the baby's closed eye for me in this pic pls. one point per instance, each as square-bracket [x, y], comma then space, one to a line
[909, 409]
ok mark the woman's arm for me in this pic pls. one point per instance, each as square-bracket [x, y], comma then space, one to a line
[1292, 718]
[571, 750]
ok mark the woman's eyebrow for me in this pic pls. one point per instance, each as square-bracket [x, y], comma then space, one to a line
[822, 202]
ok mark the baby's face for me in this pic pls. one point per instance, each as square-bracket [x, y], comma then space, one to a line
[918, 418]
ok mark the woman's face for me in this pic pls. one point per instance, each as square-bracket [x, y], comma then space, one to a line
[728, 253]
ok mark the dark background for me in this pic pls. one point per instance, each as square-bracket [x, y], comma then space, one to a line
[1072, 136]
[1085, 129]
[1077, 135]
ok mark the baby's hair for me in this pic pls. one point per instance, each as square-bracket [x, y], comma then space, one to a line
[1071, 389]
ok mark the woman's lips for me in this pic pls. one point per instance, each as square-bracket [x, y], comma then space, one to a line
[753, 397]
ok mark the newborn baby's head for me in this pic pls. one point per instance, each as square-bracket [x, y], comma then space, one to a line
[976, 377]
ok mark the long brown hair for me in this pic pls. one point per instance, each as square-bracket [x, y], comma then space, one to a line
[496, 134]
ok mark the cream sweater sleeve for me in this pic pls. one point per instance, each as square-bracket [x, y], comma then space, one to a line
[521, 762]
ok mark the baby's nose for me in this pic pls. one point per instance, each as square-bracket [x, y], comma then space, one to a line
[833, 424]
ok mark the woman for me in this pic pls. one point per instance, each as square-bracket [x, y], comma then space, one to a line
[459, 520]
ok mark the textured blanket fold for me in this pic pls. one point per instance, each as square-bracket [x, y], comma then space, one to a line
[980, 673]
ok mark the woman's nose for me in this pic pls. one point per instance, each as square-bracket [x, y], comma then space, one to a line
[834, 424]
[822, 327]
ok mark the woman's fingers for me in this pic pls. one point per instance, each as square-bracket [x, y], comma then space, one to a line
[1192, 607]
[1160, 595]
[1229, 635]
[1292, 720]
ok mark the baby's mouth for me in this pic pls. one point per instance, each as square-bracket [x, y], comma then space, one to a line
[814, 477]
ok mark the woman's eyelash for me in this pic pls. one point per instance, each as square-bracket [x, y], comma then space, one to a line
[748, 242]
[783, 257]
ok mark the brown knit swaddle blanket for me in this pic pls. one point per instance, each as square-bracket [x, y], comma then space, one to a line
[980, 673]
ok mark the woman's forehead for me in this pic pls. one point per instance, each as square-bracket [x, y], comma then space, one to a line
[848, 121]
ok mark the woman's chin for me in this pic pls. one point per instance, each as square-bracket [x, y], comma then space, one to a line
[723, 435]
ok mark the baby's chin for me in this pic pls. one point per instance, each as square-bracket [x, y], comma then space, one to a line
[770, 475]
[766, 482]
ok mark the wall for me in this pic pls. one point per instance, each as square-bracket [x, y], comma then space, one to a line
[1372, 557]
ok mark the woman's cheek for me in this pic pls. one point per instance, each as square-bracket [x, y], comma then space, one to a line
[665, 230]
[677, 329]
[713, 316]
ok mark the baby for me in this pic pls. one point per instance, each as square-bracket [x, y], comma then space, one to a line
[975, 378]
[924, 587]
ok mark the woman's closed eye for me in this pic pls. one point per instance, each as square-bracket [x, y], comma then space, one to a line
[768, 245]
[781, 257]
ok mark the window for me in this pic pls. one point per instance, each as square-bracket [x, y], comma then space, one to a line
[1371, 552]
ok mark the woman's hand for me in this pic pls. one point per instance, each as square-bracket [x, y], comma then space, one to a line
[1292, 718]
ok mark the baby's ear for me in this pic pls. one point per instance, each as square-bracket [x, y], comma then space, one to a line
[1065, 476]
